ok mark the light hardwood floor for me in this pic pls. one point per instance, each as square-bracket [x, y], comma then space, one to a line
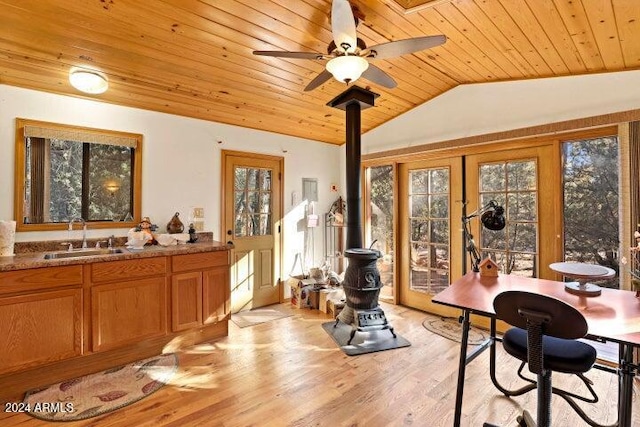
[289, 372]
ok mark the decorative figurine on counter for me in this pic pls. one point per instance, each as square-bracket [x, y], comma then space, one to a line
[175, 226]
[148, 229]
[192, 234]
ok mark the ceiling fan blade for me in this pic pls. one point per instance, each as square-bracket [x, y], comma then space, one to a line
[285, 54]
[403, 47]
[343, 26]
[376, 75]
[319, 80]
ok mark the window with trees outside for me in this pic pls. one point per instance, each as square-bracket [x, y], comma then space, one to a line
[90, 181]
[379, 181]
[429, 229]
[591, 219]
[513, 184]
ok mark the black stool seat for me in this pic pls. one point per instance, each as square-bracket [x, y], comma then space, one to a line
[560, 355]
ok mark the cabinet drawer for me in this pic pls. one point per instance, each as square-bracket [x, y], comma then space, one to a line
[128, 269]
[39, 279]
[199, 261]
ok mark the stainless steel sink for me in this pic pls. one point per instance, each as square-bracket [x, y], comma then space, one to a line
[82, 253]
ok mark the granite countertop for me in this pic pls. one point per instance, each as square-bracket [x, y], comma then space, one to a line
[23, 261]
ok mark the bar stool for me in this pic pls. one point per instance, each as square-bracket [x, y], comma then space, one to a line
[545, 337]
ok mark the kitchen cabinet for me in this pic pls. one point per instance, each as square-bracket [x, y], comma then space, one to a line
[40, 317]
[70, 317]
[200, 292]
[128, 302]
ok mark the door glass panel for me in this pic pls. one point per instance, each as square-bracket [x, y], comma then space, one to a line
[492, 177]
[513, 185]
[240, 181]
[429, 234]
[380, 226]
[265, 180]
[265, 203]
[252, 179]
[252, 202]
[590, 183]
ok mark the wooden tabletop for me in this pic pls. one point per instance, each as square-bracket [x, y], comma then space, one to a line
[614, 315]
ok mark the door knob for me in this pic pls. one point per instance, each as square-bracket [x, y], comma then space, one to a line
[229, 232]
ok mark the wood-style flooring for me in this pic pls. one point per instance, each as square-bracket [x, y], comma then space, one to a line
[289, 372]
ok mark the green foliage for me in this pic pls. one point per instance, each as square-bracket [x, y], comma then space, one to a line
[104, 164]
[591, 201]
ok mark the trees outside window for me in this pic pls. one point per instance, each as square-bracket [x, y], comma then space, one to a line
[590, 184]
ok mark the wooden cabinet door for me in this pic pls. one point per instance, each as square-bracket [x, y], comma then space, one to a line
[186, 301]
[216, 295]
[128, 311]
[40, 328]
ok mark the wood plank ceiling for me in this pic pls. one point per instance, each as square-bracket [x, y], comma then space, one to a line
[194, 57]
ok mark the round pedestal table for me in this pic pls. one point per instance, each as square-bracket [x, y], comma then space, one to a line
[582, 273]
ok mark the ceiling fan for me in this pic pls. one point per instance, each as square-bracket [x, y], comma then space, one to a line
[348, 55]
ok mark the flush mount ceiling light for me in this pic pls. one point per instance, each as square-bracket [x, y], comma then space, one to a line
[347, 68]
[88, 81]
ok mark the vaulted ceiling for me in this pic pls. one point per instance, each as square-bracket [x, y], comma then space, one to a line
[194, 57]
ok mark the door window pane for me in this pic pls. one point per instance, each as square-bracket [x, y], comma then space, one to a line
[252, 202]
[590, 180]
[429, 234]
[512, 184]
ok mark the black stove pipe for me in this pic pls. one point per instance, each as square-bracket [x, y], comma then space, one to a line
[353, 172]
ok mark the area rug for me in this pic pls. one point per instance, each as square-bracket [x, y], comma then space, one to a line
[451, 329]
[363, 342]
[254, 317]
[102, 392]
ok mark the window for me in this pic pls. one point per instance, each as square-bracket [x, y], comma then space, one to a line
[590, 185]
[66, 172]
[252, 189]
[380, 230]
[513, 184]
[429, 229]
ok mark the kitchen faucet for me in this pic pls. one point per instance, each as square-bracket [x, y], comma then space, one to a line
[84, 230]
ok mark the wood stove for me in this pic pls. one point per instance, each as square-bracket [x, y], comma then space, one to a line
[362, 279]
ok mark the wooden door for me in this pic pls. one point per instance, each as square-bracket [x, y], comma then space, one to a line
[252, 203]
[525, 183]
[40, 328]
[126, 312]
[186, 301]
[430, 211]
[215, 295]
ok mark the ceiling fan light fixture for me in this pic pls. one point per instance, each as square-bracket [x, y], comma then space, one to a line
[347, 68]
[88, 81]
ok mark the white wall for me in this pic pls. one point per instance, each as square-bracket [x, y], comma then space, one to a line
[181, 161]
[491, 107]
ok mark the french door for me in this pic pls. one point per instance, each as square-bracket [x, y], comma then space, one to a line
[430, 208]
[433, 194]
[526, 183]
